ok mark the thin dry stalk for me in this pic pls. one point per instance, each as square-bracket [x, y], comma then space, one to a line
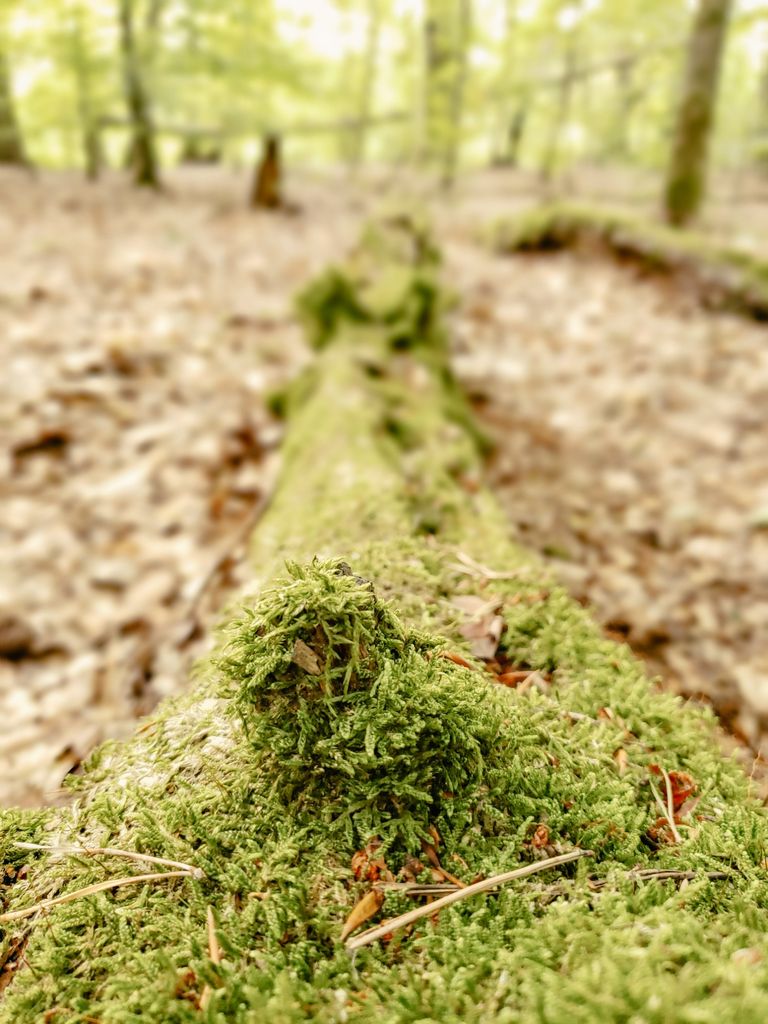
[665, 813]
[372, 934]
[473, 568]
[214, 953]
[670, 804]
[90, 890]
[111, 851]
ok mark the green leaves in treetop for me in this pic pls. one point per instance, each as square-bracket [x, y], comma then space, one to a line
[390, 281]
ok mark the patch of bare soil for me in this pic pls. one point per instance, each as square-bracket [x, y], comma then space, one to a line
[632, 434]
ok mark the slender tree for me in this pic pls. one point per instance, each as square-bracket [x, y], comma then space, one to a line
[359, 138]
[143, 149]
[563, 102]
[11, 141]
[83, 74]
[686, 173]
[446, 36]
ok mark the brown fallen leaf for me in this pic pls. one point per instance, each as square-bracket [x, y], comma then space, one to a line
[367, 866]
[621, 758]
[456, 659]
[681, 784]
[540, 837]
[305, 658]
[363, 911]
[485, 625]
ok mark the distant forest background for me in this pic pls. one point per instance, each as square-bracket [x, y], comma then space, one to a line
[545, 85]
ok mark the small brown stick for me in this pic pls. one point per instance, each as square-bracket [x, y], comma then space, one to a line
[91, 890]
[665, 813]
[372, 934]
[663, 874]
[418, 888]
[111, 851]
[670, 803]
[214, 953]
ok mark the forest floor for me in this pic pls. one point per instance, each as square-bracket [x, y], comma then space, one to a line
[142, 336]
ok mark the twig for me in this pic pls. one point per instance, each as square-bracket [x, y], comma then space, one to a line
[665, 812]
[418, 888]
[91, 890]
[670, 804]
[478, 569]
[234, 542]
[372, 934]
[110, 851]
[641, 875]
[214, 953]
[663, 874]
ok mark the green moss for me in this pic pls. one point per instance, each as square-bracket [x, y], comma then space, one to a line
[330, 714]
[723, 277]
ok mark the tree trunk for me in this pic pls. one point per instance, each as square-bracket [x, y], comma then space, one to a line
[266, 192]
[356, 148]
[142, 148]
[90, 134]
[11, 142]
[446, 37]
[413, 700]
[550, 160]
[686, 173]
[515, 97]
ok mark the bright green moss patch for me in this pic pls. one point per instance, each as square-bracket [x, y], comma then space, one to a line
[302, 759]
[722, 276]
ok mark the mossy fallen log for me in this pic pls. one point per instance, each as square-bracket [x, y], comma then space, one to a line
[410, 704]
[720, 276]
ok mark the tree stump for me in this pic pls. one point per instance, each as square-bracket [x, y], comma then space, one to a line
[266, 192]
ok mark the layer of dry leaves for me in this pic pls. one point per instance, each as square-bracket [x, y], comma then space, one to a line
[141, 336]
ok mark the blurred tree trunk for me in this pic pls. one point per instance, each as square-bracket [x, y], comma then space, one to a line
[686, 173]
[266, 192]
[446, 37]
[627, 95]
[562, 108]
[11, 142]
[514, 99]
[359, 138]
[90, 134]
[142, 147]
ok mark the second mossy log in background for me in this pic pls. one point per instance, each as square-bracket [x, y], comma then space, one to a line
[721, 276]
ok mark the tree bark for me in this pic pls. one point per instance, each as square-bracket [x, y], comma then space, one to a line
[142, 145]
[11, 141]
[446, 36]
[357, 145]
[562, 112]
[686, 173]
[267, 193]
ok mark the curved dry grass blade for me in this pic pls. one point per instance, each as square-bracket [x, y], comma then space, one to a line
[90, 890]
[111, 851]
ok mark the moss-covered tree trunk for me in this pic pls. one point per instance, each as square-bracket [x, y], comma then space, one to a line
[411, 705]
[11, 143]
[686, 173]
[143, 158]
